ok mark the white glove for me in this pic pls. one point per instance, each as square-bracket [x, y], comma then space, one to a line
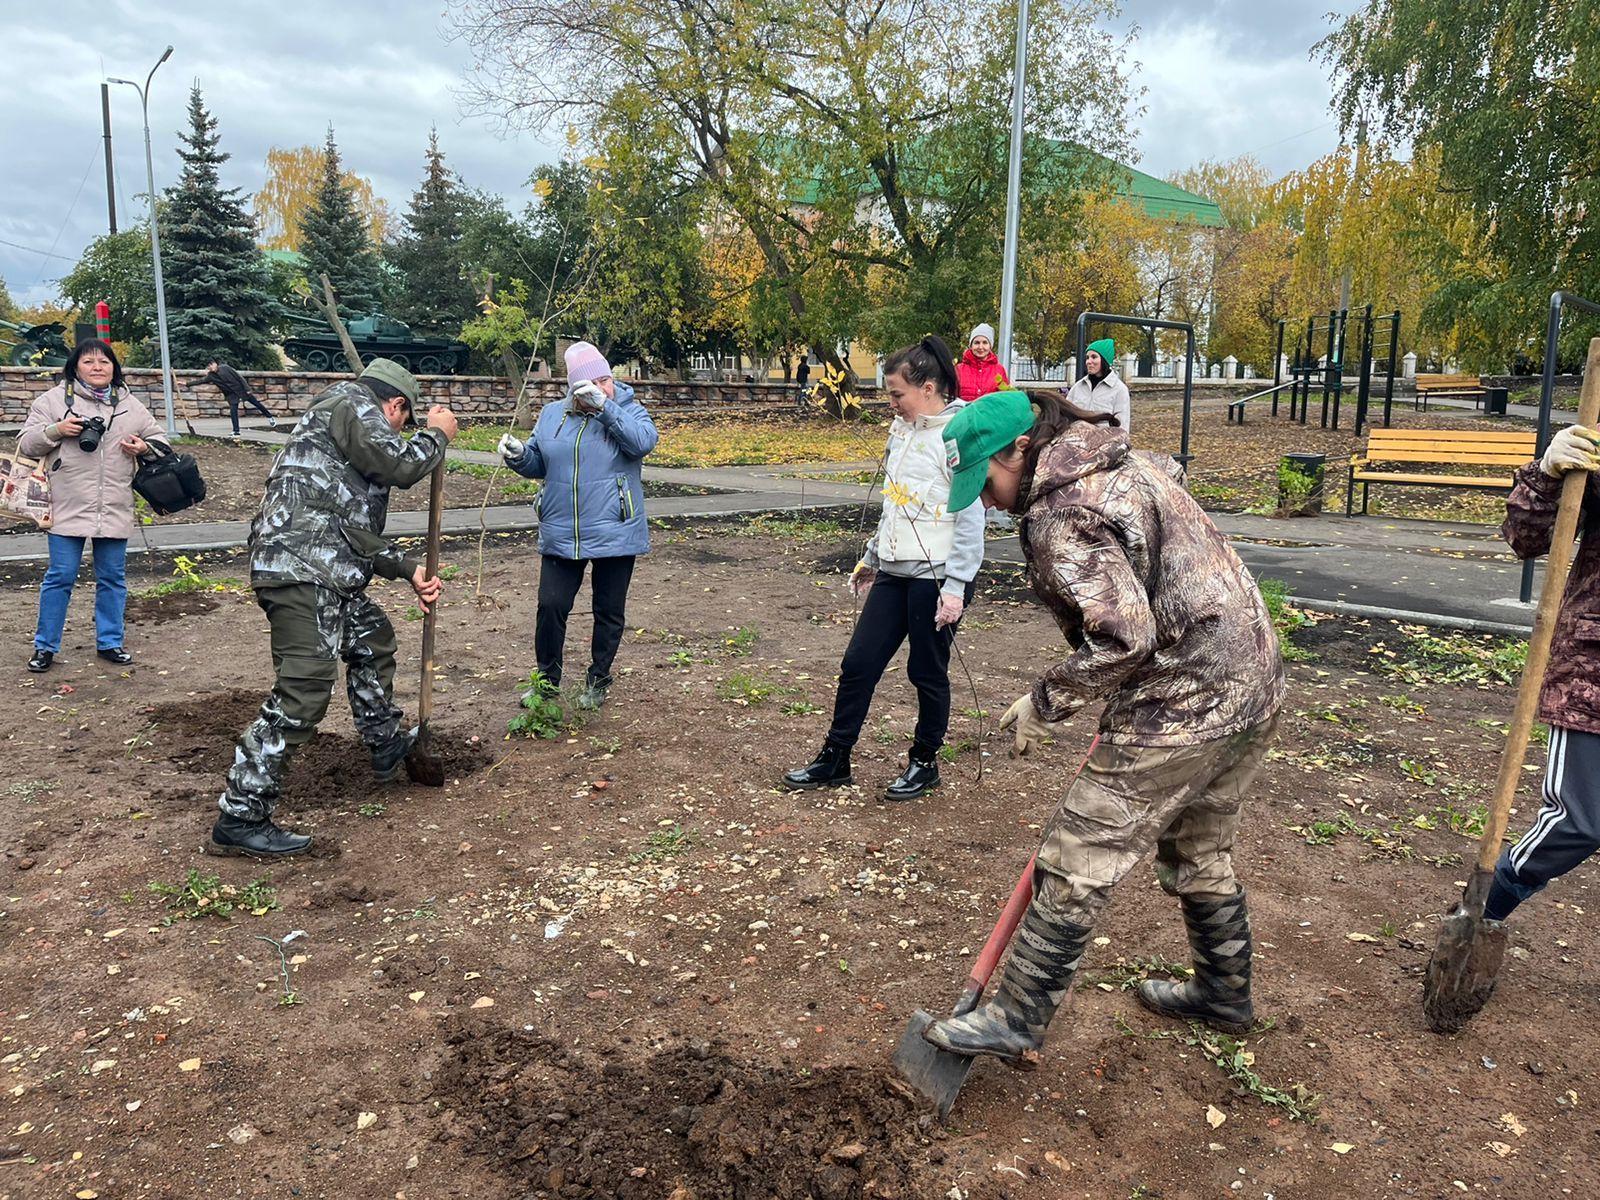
[1573, 449]
[1030, 728]
[587, 397]
[510, 447]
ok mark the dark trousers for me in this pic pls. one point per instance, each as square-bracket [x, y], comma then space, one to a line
[233, 409]
[1565, 832]
[559, 579]
[897, 610]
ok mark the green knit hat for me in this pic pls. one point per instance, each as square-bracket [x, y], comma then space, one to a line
[1106, 349]
[981, 429]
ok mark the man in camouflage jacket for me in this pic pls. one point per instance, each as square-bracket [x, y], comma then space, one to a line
[314, 547]
[1566, 830]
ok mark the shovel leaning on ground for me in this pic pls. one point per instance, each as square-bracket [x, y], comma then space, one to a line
[422, 765]
[1466, 961]
[938, 1074]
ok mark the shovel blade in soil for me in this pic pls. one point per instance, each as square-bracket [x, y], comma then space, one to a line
[1463, 970]
[937, 1074]
[423, 766]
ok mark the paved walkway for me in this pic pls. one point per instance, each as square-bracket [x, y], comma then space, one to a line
[1455, 573]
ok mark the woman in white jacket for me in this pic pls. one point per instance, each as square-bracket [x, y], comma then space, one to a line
[916, 576]
[1100, 389]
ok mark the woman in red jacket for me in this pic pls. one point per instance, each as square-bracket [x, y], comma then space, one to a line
[979, 371]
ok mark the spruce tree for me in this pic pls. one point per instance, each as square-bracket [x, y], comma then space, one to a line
[434, 295]
[218, 302]
[334, 240]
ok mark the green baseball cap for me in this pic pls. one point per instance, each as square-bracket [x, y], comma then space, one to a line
[386, 370]
[981, 429]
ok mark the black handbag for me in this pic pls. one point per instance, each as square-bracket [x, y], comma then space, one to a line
[169, 482]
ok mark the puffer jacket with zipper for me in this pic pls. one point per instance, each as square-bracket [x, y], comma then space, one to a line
[592, 504]
[91, 494]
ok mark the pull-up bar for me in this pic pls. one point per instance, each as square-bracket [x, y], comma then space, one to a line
[1183, 455]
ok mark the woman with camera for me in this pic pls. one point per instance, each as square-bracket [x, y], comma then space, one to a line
[90, 432]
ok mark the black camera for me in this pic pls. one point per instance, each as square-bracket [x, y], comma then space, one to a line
[94, 428]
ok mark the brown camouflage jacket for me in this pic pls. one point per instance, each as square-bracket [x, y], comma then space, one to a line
[1570, 697]
[1163, 619]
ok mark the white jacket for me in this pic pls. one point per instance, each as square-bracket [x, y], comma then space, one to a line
[916, 525]
[1109, 395]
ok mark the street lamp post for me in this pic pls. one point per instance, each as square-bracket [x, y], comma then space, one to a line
[1008, 271]
[155, 238]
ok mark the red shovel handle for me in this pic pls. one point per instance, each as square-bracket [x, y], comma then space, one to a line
[1010, 918]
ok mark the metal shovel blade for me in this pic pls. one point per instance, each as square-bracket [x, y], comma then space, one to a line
[937, 1074]
[1465, 963]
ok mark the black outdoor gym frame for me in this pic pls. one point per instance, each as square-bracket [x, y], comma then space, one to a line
[1183, 454]
[1547, 392]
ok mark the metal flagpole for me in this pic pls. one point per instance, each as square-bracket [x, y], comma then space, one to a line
[1008, 275]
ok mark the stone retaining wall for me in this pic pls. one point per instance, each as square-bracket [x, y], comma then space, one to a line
[287, 393]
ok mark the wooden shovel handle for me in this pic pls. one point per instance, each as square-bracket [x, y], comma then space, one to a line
[1559, 562]
[429, 570]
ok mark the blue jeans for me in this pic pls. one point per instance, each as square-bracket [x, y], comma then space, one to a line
[110, 591]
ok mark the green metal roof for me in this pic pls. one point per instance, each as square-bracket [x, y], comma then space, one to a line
[1162, 200]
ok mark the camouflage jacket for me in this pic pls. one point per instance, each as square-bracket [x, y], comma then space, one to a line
[1162, 617]
[326, 501]
[1570, 697]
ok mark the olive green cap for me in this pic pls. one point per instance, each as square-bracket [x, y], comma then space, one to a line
[386, 370]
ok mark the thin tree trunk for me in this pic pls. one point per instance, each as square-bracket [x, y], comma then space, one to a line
[330, 310]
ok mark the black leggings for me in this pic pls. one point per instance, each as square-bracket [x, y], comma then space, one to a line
[558, 589]
[897, 610]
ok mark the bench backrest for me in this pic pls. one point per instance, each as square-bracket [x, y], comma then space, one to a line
[1425, 382]
[1484, 447]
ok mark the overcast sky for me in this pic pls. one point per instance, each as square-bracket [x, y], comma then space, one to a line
[1222, 78]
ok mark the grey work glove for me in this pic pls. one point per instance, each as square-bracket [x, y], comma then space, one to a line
[1573, 449]
[510, 447]
[1029, 727]
[586, 397]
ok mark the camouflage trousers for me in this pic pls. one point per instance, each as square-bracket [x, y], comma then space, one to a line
[1182, 800]
[312, 629]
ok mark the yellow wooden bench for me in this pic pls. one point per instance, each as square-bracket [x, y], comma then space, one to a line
[1449, 385]
[1467, 448]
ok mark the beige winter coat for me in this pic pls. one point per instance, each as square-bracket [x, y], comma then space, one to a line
[91, 495]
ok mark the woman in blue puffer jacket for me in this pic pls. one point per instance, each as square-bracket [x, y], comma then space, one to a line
[588, 451]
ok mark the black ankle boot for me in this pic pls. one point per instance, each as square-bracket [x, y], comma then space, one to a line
[830, 768]
[919, 778]
[1044, 957]
[41, 660]
[1219, 993]
[254, 839]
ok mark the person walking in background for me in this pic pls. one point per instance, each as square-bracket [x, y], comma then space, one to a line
[802, 375]
[314, 547]
[90, 432]
[917, 576]
[1566, 830]
[236, 392]
[588, 450]
[1101, 389]
[1164, 623]
[979, 371]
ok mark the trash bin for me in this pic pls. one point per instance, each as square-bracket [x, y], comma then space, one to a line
[1300, 480]
[1494, 401]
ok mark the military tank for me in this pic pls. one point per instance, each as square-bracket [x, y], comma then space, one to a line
[316, 347]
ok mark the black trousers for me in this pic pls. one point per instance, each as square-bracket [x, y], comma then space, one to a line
[233, 409]
[897, 610]
[559, 579]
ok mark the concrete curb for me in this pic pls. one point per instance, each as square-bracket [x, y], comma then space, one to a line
[1341, 608]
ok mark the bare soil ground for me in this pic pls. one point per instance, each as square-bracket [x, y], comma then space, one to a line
[621, 963]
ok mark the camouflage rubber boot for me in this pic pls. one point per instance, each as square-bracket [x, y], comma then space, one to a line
[388, 761]
[1219, 993]
[1011, 1026]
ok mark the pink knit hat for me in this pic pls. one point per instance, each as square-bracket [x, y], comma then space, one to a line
[584, 361]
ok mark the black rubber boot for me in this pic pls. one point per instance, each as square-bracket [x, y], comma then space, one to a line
[388, 762]
[254, 839]
[919, 778]
[1044, 957]
[1219, 993]
[830, 768]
